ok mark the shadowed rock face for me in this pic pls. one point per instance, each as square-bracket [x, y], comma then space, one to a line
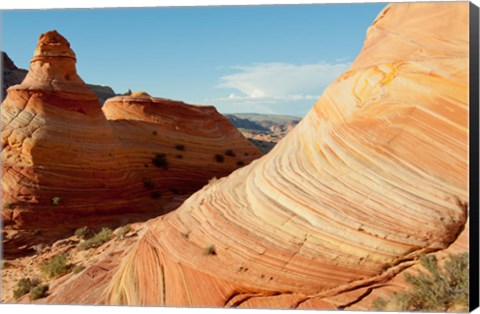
[375, 175]
[63, 159]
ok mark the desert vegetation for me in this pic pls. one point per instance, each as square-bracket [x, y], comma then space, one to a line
[56, 266]
[56, 200]
[440, 289]
[148, 184]
[98, 239]
[32, 286]
[219, 158]
[210, 250]
[84, 233]
[230, 152]
[160, 161]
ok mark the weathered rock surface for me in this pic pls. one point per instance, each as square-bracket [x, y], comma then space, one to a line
[12, 75]
[191, 137]
[374, 176]
[63, 159]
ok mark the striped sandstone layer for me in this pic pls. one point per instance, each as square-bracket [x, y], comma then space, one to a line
[375, 175]
[63, 159]
[190, 136]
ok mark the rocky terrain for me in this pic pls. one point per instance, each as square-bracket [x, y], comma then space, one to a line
[372, 178]
[67, 162]
[375, 176]
[12, 75]
[263, 130]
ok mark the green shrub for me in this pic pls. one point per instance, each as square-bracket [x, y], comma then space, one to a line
[439, 290]
[23, 287]
[175, 191]
[56, 266]
[38, 292]
[160, 161]
[123, 231]
[240, 163]
[230, 152]
[148, 184]
[180, 147]
[100, 238]
[56, 200]
[210, 250]
[219, 158]
[84, 233]
[78, 269]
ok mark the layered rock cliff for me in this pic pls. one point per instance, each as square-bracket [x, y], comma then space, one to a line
[375, 175]
[63, 159]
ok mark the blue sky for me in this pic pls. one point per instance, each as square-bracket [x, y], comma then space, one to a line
[266, 59]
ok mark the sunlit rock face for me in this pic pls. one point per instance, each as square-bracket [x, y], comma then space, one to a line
[190, 136]
[64, 158]
[373, 176]
[56, 142]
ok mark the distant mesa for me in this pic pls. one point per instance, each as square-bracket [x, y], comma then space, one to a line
[66, 159]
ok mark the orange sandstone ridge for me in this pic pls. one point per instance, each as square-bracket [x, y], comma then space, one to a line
[64, 158]
[374, 176]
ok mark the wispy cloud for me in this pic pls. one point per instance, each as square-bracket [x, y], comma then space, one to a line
[272, 82]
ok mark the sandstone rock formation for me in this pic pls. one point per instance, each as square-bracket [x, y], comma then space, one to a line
[63, 159]
[374, 176]
[12, 75]
[192, 138]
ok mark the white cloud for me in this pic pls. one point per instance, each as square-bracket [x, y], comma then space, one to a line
[273, 82]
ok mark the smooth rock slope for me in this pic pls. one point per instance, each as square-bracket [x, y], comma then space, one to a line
[374, 176]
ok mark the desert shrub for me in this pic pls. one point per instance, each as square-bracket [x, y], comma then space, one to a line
[154, 133]
[180, 147]
[160, 161]
[210, 250]
[179, 156]
[230, 152]
[148, 184]
[440, 290]
[84, 233]
[56, 266]
[155, 195]
[123, 231]
[219, 158]
[56, 200]
[77, 269]
[38, 292]
[175, 191]
[240, 163]
[100, 238]
[23, 287]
